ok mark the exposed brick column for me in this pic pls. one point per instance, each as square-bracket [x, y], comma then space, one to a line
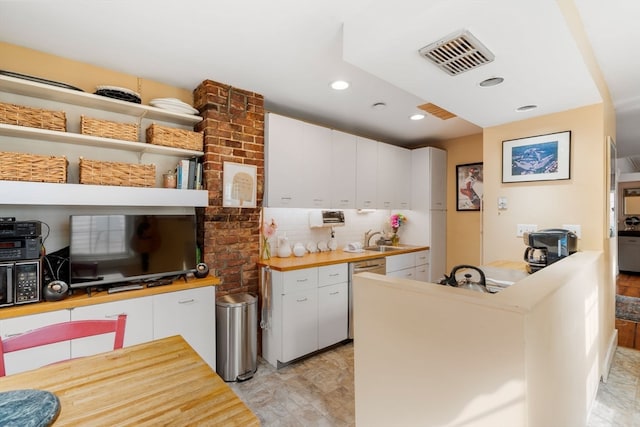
[233, 128]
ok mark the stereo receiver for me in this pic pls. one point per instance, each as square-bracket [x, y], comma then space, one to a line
[20, 248]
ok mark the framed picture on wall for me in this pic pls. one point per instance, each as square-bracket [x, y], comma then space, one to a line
[240, 185]
[469, 182]
[537, 158]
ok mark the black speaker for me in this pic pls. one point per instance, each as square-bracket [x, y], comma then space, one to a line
[55, 291]
[202, 270]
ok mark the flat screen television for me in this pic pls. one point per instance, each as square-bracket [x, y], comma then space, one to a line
[113, 249]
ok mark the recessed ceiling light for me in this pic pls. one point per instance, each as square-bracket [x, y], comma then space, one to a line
[339, 85]
[379, 106]
[526, 108]
[417, 117]
[493, 81]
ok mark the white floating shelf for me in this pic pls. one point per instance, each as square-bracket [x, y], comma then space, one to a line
[70, 96]
[43, 193]
[93, 141]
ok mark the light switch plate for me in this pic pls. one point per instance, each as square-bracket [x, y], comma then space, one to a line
[502, 203]
[576, 228]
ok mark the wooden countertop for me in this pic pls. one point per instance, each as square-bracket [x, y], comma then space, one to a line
[80, 298]
[161, 382]
[332, 257]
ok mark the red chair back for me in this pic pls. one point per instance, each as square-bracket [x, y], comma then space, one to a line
[64, 331]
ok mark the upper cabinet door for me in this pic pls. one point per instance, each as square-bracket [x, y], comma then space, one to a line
[298, 163]
[314, 155]
[394, 177]
[438, 178]
[282, 161]
[343, 170]
[366, 173]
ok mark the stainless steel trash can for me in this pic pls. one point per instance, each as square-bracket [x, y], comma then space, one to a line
[236, 336]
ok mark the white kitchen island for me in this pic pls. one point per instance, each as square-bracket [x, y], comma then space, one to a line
[427, 354]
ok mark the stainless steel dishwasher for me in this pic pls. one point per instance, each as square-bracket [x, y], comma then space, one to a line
[376, 265]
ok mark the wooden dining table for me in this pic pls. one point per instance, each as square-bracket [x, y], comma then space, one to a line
[159, 383]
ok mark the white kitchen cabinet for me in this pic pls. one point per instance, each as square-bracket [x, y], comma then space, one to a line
[308, 311]
[73, 144]
[298, 163]
[32, 358]
[400, 262]
[139, 327]
[343, 170]
[299, 324]
[366, 173]
[190, 313]
[402, 266]
[394, 177]
[403, 179]
[422, 266]
[437, 179]
[333, 304]
[333, 319]
[282, 136]
[428, 202]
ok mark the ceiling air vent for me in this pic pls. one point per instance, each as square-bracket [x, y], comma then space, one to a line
[457, 53]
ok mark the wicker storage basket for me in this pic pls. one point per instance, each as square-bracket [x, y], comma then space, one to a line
[32, 167]
[20, 115]
[109, 129]
[176, 138]
[116, 173]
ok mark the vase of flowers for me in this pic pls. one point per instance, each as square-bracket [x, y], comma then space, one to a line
[268, 229]
[396, 220]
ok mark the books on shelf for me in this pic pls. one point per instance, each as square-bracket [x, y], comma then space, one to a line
[189, 174]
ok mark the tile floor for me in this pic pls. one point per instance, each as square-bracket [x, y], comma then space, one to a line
[319, 392]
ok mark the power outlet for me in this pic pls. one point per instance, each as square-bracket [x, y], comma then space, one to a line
[575, 228]
[524, 228]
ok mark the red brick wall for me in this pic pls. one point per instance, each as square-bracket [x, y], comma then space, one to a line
[233, 129]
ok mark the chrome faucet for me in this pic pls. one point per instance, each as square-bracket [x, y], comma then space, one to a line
[368, 235]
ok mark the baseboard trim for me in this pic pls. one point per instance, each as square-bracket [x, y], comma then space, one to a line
[611, 350]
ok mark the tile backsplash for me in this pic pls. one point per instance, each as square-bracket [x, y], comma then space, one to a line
[294, 224]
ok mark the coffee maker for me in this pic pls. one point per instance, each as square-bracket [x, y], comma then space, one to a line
[545, 247]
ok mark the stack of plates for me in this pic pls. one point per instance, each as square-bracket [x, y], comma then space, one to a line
[120, 93]
[173, 104]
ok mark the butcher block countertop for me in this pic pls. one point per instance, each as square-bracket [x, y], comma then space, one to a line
[332, 257]
[159, 383]
[80, 298]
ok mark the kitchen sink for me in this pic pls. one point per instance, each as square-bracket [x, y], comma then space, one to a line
[383, 248]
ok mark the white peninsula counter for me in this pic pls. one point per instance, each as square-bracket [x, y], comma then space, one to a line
[432, 355]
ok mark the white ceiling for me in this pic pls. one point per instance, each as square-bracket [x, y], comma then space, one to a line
[289, 51]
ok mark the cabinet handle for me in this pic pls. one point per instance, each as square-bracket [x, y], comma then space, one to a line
[334, 275]
[17, 333]
[301, 300]
[301, 280]
[113, 316]
[334, 293]
[186, 301]
[344, 201]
